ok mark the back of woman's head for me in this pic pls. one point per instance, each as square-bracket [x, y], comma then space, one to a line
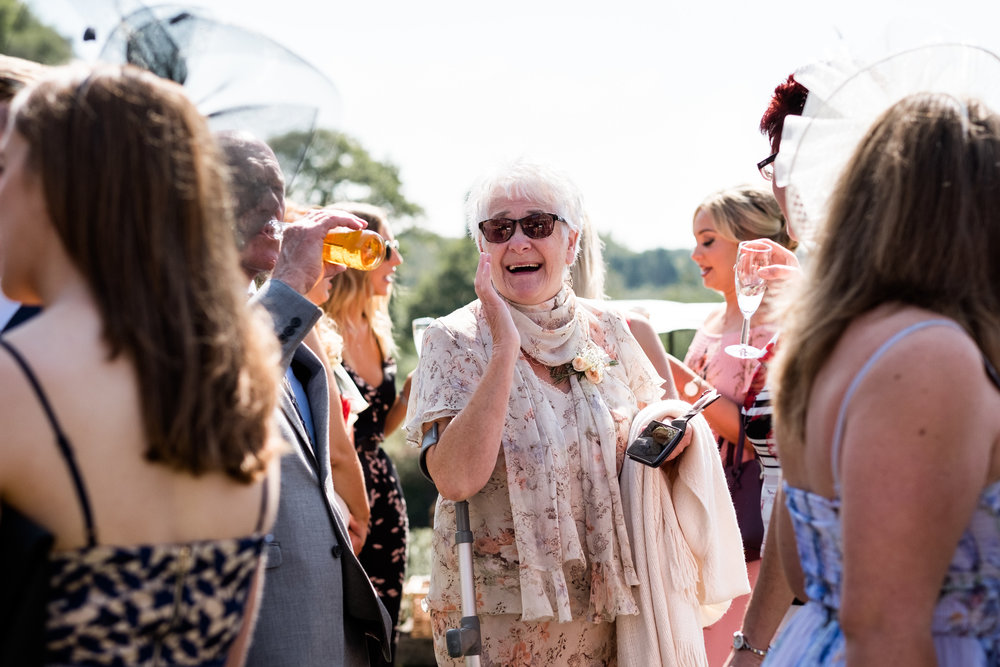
[914, 215]
[588, 271]
[136, 194]
[745, 213]
[912, 221]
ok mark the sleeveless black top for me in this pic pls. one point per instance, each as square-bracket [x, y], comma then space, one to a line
[164, 604]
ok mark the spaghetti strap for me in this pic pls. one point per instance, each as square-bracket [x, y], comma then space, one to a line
[62, 440]
[838, 432]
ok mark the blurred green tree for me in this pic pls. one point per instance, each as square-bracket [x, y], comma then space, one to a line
[338, 168]
[23, 35]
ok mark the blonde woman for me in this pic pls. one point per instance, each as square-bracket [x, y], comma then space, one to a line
[359, 307]
[345, 468]
[720, 222]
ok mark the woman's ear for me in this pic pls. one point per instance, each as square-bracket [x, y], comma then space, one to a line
[574, 238]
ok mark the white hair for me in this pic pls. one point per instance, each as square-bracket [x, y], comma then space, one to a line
[552, 190]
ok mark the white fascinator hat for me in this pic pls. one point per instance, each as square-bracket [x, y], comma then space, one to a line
[843, 103]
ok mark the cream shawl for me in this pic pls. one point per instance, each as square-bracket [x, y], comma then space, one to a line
[687, 547]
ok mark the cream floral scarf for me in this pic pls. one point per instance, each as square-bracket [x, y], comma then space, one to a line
[538, 470]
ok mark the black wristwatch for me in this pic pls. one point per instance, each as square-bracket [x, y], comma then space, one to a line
[740, 643]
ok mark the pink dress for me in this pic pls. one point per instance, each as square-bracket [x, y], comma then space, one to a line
[707, 357]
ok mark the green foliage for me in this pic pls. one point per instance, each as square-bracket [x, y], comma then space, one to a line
[418, 558]
[445, 275]
[650, 267]
[22, 35]
[338, 168]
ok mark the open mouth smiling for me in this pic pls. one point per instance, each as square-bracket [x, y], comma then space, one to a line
[523, 268]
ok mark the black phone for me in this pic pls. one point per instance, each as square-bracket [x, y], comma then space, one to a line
[658, 440]
[655, 443]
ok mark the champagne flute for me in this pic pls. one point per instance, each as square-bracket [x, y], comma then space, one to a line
[419, 325]
[750, 288]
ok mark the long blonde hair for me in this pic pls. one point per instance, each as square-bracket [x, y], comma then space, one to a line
[587, 272]
[352, 289]
[912, 221]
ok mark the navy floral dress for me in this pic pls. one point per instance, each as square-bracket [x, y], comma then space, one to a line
[384, 553]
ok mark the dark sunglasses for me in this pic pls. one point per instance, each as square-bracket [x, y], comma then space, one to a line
[389, 247]
[534, 226]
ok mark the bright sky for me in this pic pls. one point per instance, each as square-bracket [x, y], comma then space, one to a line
[649, 105]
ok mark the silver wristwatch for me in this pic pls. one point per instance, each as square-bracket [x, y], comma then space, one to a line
[740, 643]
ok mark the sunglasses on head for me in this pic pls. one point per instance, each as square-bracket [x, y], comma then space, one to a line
[534, 226]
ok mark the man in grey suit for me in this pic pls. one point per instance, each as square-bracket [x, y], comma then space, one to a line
[319, 607]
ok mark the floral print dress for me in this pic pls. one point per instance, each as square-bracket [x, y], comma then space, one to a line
[384, 553]
[966, 622]
[531, 615]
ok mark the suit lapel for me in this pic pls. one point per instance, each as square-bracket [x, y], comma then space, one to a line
[295, 421]
[313, 377]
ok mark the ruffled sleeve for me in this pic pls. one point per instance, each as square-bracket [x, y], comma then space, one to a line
[451, 364]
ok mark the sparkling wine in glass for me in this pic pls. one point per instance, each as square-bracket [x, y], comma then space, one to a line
[750, 288]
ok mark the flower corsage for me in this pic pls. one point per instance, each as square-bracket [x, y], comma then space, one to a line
[589, 362]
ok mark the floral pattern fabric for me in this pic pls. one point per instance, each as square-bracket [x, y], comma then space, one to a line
[383, 555]
[966, 624]
[509, 641]
[547, 545]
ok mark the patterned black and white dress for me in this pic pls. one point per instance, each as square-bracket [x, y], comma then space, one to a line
[384, 553]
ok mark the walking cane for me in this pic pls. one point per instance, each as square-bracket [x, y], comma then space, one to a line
[465, 639]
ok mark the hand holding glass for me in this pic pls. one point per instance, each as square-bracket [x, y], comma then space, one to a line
[750, 288]
[360, 249]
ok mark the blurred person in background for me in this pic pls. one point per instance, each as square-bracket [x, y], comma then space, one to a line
[345, 399]
[319, 606]
[720, 222]
[772, 596]
[359, 308]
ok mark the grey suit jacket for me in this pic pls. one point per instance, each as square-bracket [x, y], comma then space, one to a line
[319, 607]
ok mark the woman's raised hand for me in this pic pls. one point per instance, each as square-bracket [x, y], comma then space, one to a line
[784, 264]
[494, 308]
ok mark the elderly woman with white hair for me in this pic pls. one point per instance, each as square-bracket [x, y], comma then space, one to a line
[522, 401]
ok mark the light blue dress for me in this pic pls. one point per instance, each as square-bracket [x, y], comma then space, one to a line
[966, 624]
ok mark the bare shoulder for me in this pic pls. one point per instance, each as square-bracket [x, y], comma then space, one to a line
[22, 417]
[916, 339]
[910, 364]
[640, 326]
